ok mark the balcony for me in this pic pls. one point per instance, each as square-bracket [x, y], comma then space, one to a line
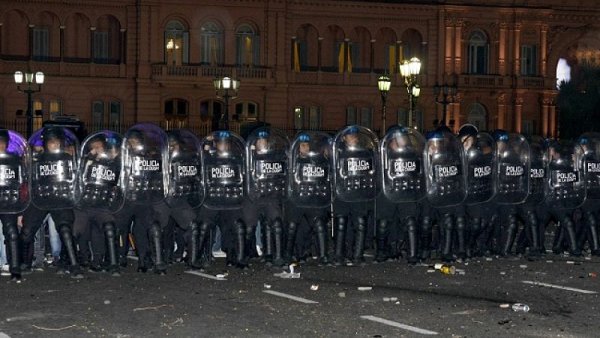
[67, 67]
[334, 78]
[481, 81]
[162, 72]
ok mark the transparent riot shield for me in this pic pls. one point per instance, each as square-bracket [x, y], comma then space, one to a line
[14, 172]
[480, 159]
[186, 183]
[444, 169]
[224, 169]
[590, 147]
[266, 154]
[310, 169]
[355, 159]
[54, 152]
[566, 184]
[537, 172]
[512, 166]
[401, 156]
[144, 155]
[101, 185]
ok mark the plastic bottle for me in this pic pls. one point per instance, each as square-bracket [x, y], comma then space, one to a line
[445, 269]
[519, 307]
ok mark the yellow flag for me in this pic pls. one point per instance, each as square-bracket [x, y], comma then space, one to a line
[248, 50]
[349, 60]
[392, 59]
[296, 57]
[341, 55]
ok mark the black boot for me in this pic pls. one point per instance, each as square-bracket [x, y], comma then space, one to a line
[321, 228]
[66, 236]
[340, 241]
[448, 231]
[268, 243]
[240, 248]
[111, 244]
[425, 237]
[593, 234]
[156, 236]
[559, 237]
[12, 251]
[382, 230]
[359, 240]
[475, 231]
[532, 224]
[204, 245]
[277, 236]
[413, 244]
[291, 241]
[193, 261]
[461, 233]
[570, 231]
[511, 233]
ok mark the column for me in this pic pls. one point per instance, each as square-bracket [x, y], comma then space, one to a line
[458, 47]
[517, 50]
[502, 50]
[372, 58]
[31, 41]
[501, 111]
[545, 109]
[123, 47]
[552, 113]
[92, 31]
[62, 42]
[0, 39]
[543, 49]
[518, 113]
[448, 53]
[319, 51]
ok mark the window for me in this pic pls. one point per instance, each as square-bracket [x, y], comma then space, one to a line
[529, 60]
[246, 111]
[106, 115]
[307, 117]
[210, 114]
[101, 46]
[478, 53]
[362, 116]
[176, 43]
[246, 46]
[38, 111]
[477, 116]
[55, 108]
[176, 113]
[212, 44]
[40, 43]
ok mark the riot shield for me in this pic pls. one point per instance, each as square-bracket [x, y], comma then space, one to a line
[512, 166]
[565, 188]
[355, 159]
[101, 186]
[444, 169]
[590, 146]
[14, 172]
[537, 172]
[54, 165]
[144, 155]
[310, 169]
[401, 156]
[267, 160]
[480, 156]
[224, 169]
[186, 185]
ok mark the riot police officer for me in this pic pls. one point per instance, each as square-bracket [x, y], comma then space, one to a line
[185, 194]
[480, 161]
[100, 195]
[54, 154]
[356, 186]
[13, 194]
[445, 180]
[403, 185]
[224, 172]
[144, 152]
[590, 156]
[309, 191]
[266, 154]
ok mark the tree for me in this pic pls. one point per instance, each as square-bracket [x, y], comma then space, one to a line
[578, 102]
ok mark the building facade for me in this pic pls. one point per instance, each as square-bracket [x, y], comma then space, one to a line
[302, 64]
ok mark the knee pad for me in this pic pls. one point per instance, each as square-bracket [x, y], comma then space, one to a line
[320, 225]
[460, 223]
[411, 224]
[12, 234]
[277, 225]
[362, 224]
[109, 229]
[426, 223]
[341, 223]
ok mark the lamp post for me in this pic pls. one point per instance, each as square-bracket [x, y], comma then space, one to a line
[30, 80]
[444, 95]
[226, 88]
[384, 84]
[410, 69]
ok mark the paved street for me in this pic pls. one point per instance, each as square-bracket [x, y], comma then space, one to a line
[253, 302]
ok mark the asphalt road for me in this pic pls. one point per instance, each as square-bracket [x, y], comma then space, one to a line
[184, 304]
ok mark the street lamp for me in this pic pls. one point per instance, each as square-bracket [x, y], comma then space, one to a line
[30, 80]
[410, 69]
[226, 88]
[444, 95]
[384, 84]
